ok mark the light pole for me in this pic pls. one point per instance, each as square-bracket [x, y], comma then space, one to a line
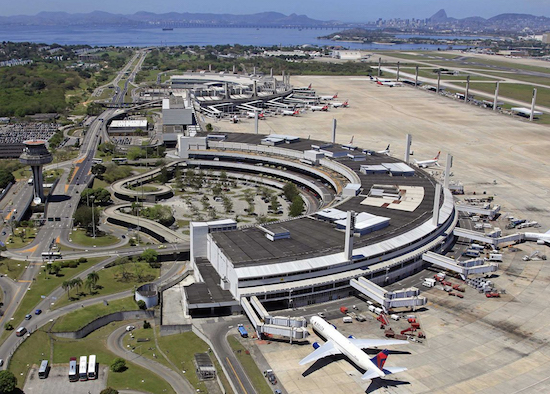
[93, 216]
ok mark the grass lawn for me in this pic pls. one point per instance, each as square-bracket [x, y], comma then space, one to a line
[16, 241]
[44, 285]
[63, 349]
[79, 237]
[514, 91]
[111, 281]
[254, 374]
[12, 268]
[79, 318]
[100, 183]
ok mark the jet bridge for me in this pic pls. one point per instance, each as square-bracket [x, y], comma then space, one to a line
[455, 266]
[286, 326]
[482, 237]
[389, 299]
[481, 211]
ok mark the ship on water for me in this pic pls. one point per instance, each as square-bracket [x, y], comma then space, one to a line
[167, 28]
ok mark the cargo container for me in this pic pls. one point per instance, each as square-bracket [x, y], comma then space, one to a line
[394, 317]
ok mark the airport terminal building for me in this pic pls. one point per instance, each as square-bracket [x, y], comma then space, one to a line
[359, 222]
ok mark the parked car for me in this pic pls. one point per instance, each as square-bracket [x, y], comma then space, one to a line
[38, 311]
[130, 328]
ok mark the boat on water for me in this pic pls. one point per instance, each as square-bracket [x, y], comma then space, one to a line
[167, 28]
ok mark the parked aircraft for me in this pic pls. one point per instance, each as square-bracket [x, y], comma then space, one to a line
[319, 108]
[293, 112]
[339, 104]
[540, 238]
[385, 151]
[252, 115]
[352, 348]
[329, 97]
[428, 163]
[387, 82]
[304, 87]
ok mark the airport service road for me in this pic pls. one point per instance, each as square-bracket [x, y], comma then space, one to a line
[178, 383]
[217, 333]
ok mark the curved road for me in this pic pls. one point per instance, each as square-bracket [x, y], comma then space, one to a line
[178, 383]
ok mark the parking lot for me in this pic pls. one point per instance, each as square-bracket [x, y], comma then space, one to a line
[58, 382]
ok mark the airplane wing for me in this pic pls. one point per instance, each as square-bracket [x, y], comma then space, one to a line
[328, 349]
[387, 371]
[371, 343]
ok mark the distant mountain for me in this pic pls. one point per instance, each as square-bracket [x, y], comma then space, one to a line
[148, 18]
[504, 22]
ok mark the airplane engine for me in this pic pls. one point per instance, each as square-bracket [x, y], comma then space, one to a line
[315, 345]
[351, 337]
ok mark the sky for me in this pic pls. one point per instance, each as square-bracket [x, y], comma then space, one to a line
[345, 11]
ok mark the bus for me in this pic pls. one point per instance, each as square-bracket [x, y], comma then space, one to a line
[73, 372]
[82, 374]
[96, 160]
[43, 371]
[51, 255]
[92, 368]
[119, 160]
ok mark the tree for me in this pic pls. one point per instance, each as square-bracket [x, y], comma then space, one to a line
[108, 390]
[83, 217]
[8, 326]
[150, 256]
[8, 382]
[98, 169]
[77, 283]
[5, 177]
[54, 269]
[142, 305]
[118, 365]
[274, 203]
[227, 204]
[178, 179]
[66, 285]
[297, 206]
[290, 191]
[163, 177]
[146, 324]
[88, 285]
[93, 277]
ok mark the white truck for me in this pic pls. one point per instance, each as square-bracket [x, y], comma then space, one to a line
[347, 319]
[429, 282]
[494, 257]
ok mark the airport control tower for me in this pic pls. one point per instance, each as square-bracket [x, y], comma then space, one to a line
[35, 154]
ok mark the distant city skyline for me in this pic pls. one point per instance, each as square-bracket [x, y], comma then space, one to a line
[347, 11]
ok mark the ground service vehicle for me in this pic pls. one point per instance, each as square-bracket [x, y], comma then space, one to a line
[43, 371]
[243, 331]
[347, 319]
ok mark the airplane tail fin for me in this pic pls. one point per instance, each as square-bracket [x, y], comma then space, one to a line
[351, 141]
[380, 359]
[309, 87]
[388, 148]
[437, 157]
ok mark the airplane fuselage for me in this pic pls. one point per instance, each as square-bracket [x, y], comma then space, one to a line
[355, 354]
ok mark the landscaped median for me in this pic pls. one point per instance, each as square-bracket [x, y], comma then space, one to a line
[46, 283]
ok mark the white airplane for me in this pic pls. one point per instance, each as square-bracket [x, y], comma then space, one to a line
[541, 238]
[387, 82]
[352, 348]
[336, 104]
[304, 87]
[329, 97]
[319, 108]
[294, 112]
[385, 151]
[252, 115]
[428, 163]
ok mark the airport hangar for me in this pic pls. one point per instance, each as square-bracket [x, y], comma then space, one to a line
[402, 212]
